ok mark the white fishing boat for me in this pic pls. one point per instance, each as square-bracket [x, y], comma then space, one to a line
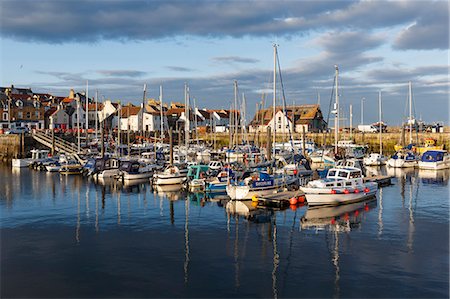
[170, 176]
[435, 159]
[36, 156]
[53, 167]
[341, 186]
[258, 184]
[402, 159]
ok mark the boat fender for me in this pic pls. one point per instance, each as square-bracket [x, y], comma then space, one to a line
[293, 200]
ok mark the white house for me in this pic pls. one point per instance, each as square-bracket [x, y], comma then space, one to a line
[59, 119]
[130, 118]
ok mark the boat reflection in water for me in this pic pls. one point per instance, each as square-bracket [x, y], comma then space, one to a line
[439, 177]
[334, 221]
[340, 218]
[249, 210]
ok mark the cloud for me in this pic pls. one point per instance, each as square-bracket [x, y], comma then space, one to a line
[121, 73]
[179, 69]
[234, 59]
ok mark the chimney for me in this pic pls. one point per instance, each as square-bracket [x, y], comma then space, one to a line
[71, 94]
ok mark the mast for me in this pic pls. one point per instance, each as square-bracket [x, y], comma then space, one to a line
[119, 130]
[410, 112]
[379, 107]
[243, 118]
[336, 118]
[195, 122]
[96, 114]
[235, 114]
[143, 109]
[351, 121]
[87, 111]
[274, 96]
[161, 114]
[78, 123]
[186, 114]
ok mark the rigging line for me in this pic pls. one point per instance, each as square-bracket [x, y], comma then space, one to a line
[284, 102]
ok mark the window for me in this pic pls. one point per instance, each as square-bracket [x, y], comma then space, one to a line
[5, 115]
[332, 173]
[28, 115]
[342, 174]
[19, 114]
[37, 114]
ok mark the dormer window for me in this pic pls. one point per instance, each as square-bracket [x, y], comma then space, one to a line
[19, 104]
[36, 104]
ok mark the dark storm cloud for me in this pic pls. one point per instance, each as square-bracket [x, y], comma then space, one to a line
[121, 73]
[234, 59]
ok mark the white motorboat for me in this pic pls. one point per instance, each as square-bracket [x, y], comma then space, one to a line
[135, 170]
[258, 184]
[402, 159]
[375, 159]
[170, 176]
[36, 156]
[106, 168]
[341, 186]
[435, 159]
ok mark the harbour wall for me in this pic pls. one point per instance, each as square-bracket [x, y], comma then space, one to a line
[15, 146]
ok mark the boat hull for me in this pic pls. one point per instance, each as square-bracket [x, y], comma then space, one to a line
[108, 173]
[434, 165]
[136, 176]
[20, 163]
[399, 163]
[168, 180]
[315, 196]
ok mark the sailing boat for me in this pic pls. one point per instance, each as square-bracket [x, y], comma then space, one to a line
[377, 159]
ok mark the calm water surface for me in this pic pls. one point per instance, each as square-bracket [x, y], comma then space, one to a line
[72, 237]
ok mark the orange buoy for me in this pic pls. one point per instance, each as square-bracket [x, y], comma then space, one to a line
[333, 221]
[301, 199]
[293, 207]
[293, 200]
[366, 208]
[366, 190]
[346, 191]
[356, 213]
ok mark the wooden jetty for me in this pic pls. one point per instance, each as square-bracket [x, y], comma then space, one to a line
[280, 199]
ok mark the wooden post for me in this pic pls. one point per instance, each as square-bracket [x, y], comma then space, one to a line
[171, 146]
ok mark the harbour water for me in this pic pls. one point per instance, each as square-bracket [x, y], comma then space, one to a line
[71, 237]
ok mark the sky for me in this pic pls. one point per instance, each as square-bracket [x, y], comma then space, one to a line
[118, 46]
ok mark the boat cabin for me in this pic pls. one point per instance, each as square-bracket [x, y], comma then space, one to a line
[433, 156]
[130, 166]
[197, 172]
[39, 154]
[404, 155]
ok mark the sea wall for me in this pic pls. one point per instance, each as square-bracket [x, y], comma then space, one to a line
[15, 146]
